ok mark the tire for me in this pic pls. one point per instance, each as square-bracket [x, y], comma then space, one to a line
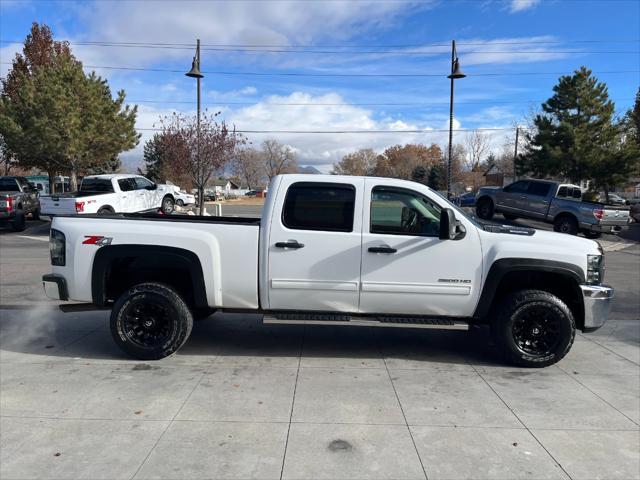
[509, 217]
[35, 215]
[592, 234]
[150, 321]
[533, 328]
[105, 211]
[485, 209]
[566, 224]
[19, 223]
[168, 205]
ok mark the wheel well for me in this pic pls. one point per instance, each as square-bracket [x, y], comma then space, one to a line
[119, 267]
[107, 207]
[565, 214]
[561, 285]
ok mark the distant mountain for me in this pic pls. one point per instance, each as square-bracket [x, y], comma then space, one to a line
[309, 169]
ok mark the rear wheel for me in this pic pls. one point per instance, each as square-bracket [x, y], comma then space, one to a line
[533, 328]
[566, 224]
[592, 234]
[150, 321]
[168, 205]
[484, 208]
[19, 223]
[105, 211]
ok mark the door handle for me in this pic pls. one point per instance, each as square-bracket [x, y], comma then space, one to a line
[289, 244]
[382, 249]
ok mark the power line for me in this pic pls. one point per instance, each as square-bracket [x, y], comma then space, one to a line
[323, 132]
[380, 75]
[354, 104]
[298, 50]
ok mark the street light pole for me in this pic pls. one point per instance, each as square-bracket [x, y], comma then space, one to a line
[455, 73]
[195, 73]
[515, 154]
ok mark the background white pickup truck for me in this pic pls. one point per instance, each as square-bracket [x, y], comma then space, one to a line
[333, 250]
[107, 194]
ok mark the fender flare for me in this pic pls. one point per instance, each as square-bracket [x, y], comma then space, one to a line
[503, 266]
[106, 255]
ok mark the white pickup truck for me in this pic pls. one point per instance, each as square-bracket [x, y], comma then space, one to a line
[112, 193]
[333, 250]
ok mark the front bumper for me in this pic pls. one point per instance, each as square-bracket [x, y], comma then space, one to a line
[55, 287]
[597, 304]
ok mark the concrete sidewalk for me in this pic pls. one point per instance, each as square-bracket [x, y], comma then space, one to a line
[245, 400]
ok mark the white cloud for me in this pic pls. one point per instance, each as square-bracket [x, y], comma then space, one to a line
[261, 23]
[522, 5]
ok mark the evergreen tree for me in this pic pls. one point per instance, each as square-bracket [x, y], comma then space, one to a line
[574, 133]
[437, 176]
[154, 159]
[419, 174]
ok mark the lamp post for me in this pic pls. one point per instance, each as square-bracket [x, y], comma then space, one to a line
[455, 73]
[195, 73]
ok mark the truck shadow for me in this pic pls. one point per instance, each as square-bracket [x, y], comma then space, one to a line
[37, 336]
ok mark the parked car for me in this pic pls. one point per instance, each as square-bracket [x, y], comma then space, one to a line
[466, 200]
[18, 198]
[109, 194]
[551, 202]
[613, 199]
[251, 193]
[334, 250]
[183, 198]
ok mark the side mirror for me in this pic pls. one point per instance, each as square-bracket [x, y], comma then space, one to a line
[448, 225]
[152, 187]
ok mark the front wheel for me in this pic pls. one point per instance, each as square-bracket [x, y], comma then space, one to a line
[168, 205]
[150, 321]
[533, 328]
[484, 209]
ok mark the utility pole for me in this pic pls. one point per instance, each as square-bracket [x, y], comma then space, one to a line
[515, 154]
[455, 74]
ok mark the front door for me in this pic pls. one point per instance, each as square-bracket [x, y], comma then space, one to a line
[406, 268]
[314, 247]
[512, 198]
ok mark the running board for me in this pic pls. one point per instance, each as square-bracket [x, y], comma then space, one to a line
[440, 323]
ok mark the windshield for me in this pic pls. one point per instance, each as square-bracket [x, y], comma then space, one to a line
[9, 185]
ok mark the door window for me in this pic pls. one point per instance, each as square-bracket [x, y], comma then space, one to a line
[142, 183]
[518, 187]
[539, 189]
[126, 184]
[314, 206]
[402, 212]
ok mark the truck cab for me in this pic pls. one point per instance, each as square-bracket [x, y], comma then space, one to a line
[333, 250]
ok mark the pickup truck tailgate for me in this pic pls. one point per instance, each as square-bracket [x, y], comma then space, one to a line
[55, 205]
[615, 216]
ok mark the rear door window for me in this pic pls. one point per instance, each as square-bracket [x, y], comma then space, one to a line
[96, 185]
[315, 206]
[539, 189]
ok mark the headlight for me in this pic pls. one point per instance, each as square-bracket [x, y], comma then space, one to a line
[595, 269]
[57, 248]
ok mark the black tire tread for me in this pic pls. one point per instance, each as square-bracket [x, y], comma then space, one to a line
[184, 313]
[502, 316]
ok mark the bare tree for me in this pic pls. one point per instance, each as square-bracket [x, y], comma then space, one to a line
[199, 151]
[362, 162]
[278, 158]
[248, 167]
[477, 144]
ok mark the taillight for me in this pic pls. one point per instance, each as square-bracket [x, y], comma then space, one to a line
[57, 248]
[79, 207]
[9, 204]
[599, 214]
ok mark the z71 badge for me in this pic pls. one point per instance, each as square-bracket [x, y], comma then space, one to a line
[97, 240]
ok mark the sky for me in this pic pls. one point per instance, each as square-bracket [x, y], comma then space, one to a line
[376, 67]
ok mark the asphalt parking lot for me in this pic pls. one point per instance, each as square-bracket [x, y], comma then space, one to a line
[246, 400]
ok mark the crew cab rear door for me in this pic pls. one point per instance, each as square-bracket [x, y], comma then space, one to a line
[406, 268]
[314, 246]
